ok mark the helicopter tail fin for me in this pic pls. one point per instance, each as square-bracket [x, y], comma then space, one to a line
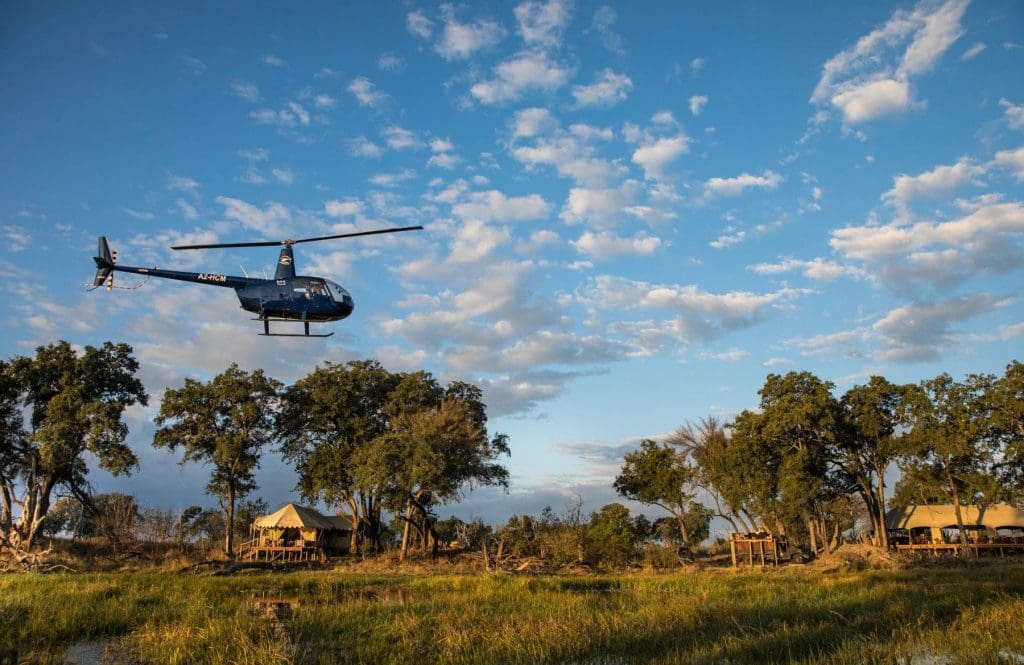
[104, 265]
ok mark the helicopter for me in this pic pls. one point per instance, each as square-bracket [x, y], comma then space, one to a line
[286, 298]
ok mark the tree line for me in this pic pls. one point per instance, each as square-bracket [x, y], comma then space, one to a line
[389, 448]
[361, 439]
[809, 465]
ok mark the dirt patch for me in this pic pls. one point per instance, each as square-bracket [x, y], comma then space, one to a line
[855, 556]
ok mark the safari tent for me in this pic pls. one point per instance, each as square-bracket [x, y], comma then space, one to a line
[998, 525]
[298, 533]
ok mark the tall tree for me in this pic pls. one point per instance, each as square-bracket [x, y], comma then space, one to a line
[951, 427]
[76, 402]
[226, 423]
[707, 443]
[656, 474]
[431, 452]
[1006, 401]
[793, 433]
[875, 419]
[325, 418]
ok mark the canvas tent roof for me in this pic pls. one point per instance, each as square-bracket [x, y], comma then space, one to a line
[942, 516]
[293, 516]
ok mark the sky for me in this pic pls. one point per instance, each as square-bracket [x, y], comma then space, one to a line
[633, 212]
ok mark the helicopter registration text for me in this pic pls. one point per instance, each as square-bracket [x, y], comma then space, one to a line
[211, 277]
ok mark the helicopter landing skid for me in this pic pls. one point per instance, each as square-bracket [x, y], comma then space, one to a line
[266, 329]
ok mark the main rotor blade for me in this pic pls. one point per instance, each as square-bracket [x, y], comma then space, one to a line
[276, 243]
[268, 243]
[360, 233]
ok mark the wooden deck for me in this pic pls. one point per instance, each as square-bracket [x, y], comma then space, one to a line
[253, 551]
[936, 548]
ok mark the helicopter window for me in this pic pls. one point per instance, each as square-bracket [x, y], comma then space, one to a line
[339, 293]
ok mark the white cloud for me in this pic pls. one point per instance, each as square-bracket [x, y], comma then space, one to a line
[732, 355]
[872, 78]
[188, 211]
[16, 238]
[816, 269]
[244, 89]
[324, 101]
[461, 40]
[973, 52]
[728, 239]
[273, 60]
[418, 24]
[539, 240]
[606, 245]
[610, 89]
[392, 179]
[273, 221]
[495, 206]
[291, 116]
[444, 160]
[920, 332]
[602, 207]
[284, 176]
[697, 65]
[347, 208]
[364, 147]
[532, 122]
[698, 314]
[525, 71]
[399, 138]
[441, 145]
[542, 23]
[938, 181]
[656, 156]
[389, 62]
[603, 25]
[697, 104]
[475, 240]
[986, 239]
[183, 184]
[1014, 114]
[138, 214]
[366, 93]
[1013, 161]
[666, 118]
[860, 103]
[735, 186]
[572, 157]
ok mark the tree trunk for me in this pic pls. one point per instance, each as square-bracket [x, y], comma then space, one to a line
[883, 540]
[681, 518]
[354, 539]
[405, 531]
[814, 536]
[229, 536]
[965, 550]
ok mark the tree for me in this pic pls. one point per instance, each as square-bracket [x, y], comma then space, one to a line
[431, 452]
[875, 420]
[1006, 404]
[706, 443]
[325, 418]
[658, 475]
[612, 536]
[226, 423]
[75, 403]
[784, 451]
[947, 453]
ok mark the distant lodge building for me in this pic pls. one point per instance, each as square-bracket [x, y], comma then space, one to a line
[297, 533]
[998, 527]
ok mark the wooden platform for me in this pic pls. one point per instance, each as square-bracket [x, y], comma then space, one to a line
[283, 553]
[1000, 547]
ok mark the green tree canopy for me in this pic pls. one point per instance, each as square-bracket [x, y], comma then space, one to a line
[75, 402]
[225, 423]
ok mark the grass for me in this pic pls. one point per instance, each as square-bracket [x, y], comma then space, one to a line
[970, 614]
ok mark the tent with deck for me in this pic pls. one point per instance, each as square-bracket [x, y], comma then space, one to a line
[930, 526]
[298, 533]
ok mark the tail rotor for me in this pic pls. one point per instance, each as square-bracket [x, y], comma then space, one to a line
[104, 265]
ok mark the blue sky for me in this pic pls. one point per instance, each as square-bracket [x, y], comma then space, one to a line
[633, 212]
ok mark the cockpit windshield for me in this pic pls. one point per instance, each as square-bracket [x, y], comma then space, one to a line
[337, 292]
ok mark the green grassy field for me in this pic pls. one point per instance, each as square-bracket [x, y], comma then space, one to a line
[933, 615]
